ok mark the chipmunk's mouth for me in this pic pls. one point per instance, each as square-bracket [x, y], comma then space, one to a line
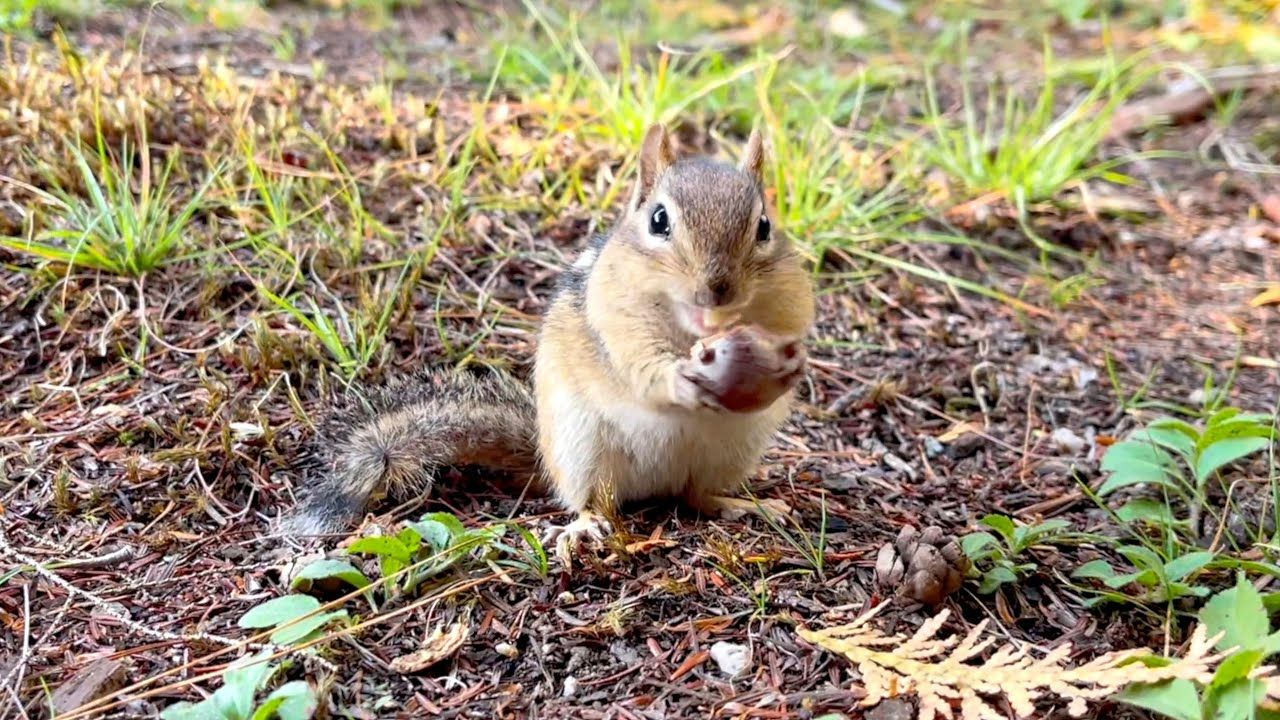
[702, 322]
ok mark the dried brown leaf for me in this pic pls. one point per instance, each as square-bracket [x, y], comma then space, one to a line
[1270, 296]
[438, 646]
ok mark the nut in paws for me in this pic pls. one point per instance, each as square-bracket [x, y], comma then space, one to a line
[742, 370]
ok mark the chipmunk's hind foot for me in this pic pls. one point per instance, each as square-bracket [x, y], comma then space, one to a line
[569, 538]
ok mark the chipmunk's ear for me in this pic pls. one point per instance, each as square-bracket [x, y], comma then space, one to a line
[655, 157]
[753, 156]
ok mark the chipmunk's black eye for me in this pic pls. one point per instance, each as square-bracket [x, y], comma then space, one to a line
[658, 222]
[762, 230]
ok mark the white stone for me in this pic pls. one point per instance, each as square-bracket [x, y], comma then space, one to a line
[845, 23]
[570, 687]
[507, 650]
[1067, 441]
[732, 658]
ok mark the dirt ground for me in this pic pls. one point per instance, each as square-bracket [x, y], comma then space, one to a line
[134, 476]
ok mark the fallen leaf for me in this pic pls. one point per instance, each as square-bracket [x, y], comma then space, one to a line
[293, 158]
[1259, 362]
[689, 664]
[958, 431]
[709, 14]
[514, 145]
[1121, 204]
[438, 646]
[718, 581]
[93, 681]
[977, 210]
[648, 544]
[769, 23]
[712, 624]
[1270, 296]
[1173, 107]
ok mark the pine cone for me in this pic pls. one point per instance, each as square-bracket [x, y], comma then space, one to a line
[924, 567]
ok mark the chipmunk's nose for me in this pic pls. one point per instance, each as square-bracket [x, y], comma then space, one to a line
[716, 293]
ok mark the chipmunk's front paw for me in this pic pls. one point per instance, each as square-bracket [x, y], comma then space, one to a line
[693, 388]
[568, 538]
[743, 370]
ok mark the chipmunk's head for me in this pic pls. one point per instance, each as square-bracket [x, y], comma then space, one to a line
[704, 227]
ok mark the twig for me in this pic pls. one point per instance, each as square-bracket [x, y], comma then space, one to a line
[838, 369]
[20, 667]
[111, 558]
[109, 608]
[979, 393]
[1026, 436]
[1188, 97]
[135, 691]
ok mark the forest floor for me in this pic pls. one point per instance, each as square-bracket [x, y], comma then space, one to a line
[336, 196]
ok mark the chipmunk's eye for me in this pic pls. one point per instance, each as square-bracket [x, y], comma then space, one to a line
[762, 230]
[658, 223]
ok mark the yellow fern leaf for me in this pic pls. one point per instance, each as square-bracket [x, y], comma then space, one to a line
[948, 673]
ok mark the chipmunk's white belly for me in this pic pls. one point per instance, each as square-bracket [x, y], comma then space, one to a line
[668, 450]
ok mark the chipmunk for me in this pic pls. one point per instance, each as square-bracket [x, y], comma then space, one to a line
[666, 362]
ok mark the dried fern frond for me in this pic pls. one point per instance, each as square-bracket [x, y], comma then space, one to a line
[945, 672]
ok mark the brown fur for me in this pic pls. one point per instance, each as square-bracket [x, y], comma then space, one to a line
[397, 439]
[610, 350]
[616, 415]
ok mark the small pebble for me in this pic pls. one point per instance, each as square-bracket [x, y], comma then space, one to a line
[933, 448]
[1067, 442]
[899, 464]
[570, 687]
[1084, 376]
[507, 650]
[624, 653]
[843, 481]
[873, 446]
[845, 23]
[1053, 468]
[731, 658]
[965, 446]
[579, 656]
[891, 709]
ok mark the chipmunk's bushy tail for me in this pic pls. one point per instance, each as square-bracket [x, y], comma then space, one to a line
[395, 442]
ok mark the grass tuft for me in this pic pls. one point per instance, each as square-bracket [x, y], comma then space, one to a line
[1024, 153]
[112, 226]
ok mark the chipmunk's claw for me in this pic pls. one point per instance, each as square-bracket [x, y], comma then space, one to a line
[569, 538]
